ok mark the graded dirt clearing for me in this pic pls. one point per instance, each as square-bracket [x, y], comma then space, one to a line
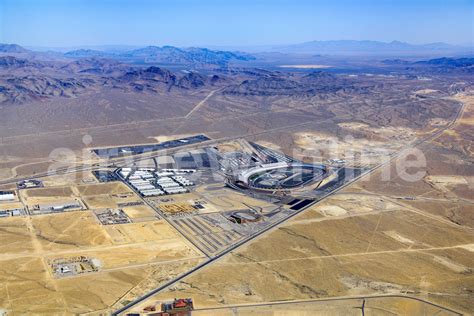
[100, 202]
[14, 236]
[106, 195]
[348, 203]
[141, 232]
[388, 133]
[184, 203]
[229, 147]
[163, 138]
[69, 179]
[71, 230]
[224, 199]
[355, 151]
[47, 192]
[140, 254]
[103, 188]
[140, 213]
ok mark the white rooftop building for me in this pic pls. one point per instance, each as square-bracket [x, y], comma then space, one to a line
[7, 196]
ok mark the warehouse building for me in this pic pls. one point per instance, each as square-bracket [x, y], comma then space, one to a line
[151, 182]
[7, 196]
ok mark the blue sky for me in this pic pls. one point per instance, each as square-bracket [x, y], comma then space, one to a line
[55, 23]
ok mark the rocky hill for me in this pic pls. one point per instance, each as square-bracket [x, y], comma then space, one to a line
[95, 66]
[34, 88]
[450, 62]
[277, 83]
[23, 80]
[463, 65]
[12, 48]
[11, 62]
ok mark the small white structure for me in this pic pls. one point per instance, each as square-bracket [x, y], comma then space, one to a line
[7, 196]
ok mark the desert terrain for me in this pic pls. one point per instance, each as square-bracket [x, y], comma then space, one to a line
[374, 241]
[373, 237]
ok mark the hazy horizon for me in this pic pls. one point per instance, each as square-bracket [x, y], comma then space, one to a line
[123, 47]
[82, 23]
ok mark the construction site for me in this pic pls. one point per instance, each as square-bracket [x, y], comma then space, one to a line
[112, 217]
[68, 267]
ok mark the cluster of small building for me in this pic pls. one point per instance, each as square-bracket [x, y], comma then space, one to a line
[149, 182]
[112, 217]
[64, 267]
[9, 196]
[178, 307]
[29, 184]
[11, 212]
[105, 176]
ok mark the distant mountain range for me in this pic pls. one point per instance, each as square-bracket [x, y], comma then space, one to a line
[167, 55]
[24, 79]
[351, 47]
[204, 57]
